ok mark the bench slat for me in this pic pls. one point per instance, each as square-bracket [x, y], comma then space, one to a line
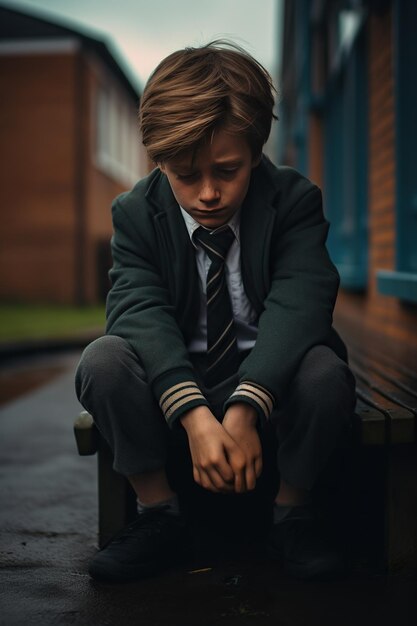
[400, 418]
[370, 421]
[391, 374]
[371, 351]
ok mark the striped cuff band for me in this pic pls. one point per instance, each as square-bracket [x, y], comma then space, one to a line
[180, 398]
[254, 394]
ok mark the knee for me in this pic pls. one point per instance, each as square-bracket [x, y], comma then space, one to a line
[100, 364]
[326, 377]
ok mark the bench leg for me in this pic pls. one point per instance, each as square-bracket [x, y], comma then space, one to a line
[401, 508]
[117, 501]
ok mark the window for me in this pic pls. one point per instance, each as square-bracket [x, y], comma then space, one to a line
[117, 137]
[345, 114]
[402, 283]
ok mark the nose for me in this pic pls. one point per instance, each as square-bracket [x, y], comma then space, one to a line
[209, 194]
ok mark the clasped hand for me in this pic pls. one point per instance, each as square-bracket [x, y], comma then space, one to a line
[227, 456]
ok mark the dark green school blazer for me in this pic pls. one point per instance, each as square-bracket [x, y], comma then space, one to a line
[287, 275]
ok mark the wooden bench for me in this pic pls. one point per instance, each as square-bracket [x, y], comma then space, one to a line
[383, 472]
[385, 463]
[116, 499]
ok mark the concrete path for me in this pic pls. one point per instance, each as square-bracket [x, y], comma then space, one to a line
[48, 520]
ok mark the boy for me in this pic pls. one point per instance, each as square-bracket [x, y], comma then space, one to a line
[219, 317]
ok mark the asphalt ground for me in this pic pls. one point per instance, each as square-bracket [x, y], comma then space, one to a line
[48, 522]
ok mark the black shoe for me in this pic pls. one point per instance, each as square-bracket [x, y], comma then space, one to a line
[151, 543]
[305, 547]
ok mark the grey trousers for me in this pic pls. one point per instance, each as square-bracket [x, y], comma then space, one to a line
[313, 420]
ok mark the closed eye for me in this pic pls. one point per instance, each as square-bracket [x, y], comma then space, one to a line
[186, 176]
[228, 172]
[224, 172]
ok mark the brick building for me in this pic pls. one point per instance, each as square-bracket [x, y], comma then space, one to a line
[349, 122]
[70, 143]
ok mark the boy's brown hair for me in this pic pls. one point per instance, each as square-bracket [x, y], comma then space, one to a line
[195, 91]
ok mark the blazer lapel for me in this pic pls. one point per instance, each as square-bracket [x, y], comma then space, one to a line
[256, 226]
[177, 254]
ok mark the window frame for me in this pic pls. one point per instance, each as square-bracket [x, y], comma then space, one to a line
[346, 165]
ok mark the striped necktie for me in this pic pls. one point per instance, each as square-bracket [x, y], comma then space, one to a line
[222, 353]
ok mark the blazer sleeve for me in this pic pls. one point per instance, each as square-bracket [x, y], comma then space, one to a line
[139, 310]
[298, 308]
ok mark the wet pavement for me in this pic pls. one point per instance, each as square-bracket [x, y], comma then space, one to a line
[48, 521]
[20, 375]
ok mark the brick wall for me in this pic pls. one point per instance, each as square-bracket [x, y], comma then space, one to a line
[377, 312]
[38, 221]
[54, 200]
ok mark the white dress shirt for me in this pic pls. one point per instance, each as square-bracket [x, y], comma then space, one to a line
[243, 312]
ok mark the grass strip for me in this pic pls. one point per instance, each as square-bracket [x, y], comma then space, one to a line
[21, 321]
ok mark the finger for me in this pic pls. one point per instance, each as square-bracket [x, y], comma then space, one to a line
[223, 463]
[218, 481]
[196, 475]
[206, 482]
[258, 466]
[212, 480]
[250, 478]
[240, 482]
[226, 472]
[238, 464]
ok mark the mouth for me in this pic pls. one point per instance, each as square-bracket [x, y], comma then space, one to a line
[208, 212]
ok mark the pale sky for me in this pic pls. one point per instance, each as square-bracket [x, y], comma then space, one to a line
[143, 32]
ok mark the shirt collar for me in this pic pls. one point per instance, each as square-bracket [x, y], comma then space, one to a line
[192, 225]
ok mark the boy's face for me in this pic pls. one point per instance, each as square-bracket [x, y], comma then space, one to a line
[212, 187]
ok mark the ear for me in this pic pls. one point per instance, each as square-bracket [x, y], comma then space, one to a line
[161, 167]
